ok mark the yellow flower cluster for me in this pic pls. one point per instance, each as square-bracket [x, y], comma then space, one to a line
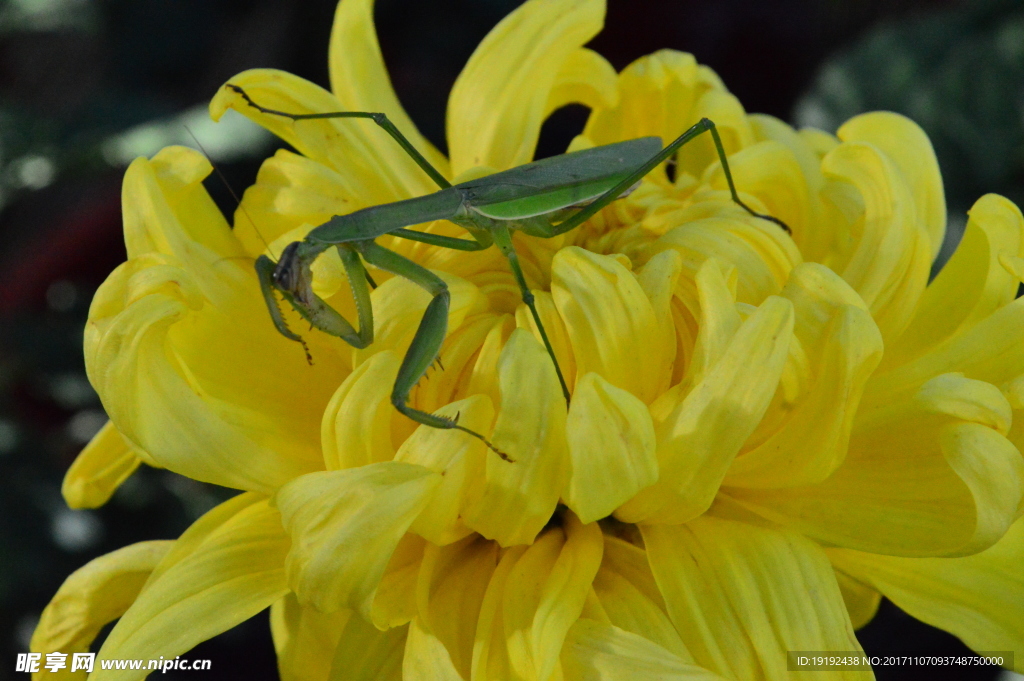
[766, 432]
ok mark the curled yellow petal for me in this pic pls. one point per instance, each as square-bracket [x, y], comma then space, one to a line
[234, 572]
[500, 99]
[99, 469]
[517, 498]
[700, 437]
[458, 457]
[345, 526]
[305, 639]
[612, 448]
[608, 315]
[908, 146]
[450, 592]
[426, 658]
[971, 286]
[930, 476]
[365, 653]
[356, 428]
[95, 594]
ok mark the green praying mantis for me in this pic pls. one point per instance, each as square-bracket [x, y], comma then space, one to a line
[544, 199]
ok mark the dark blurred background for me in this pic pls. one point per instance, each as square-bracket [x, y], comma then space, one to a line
[86, 85]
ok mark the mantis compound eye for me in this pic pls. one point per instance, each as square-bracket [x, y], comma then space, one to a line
[288, 271]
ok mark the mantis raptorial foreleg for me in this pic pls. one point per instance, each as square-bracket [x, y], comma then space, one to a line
[426, 343]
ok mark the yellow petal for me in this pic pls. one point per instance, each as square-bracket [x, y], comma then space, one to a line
[555, 329]
[356, 428]
[602, 652]
[586, 78]
[544, 594]
[701, 436]
[934, 476]
[738, 596]
[630, 598]
[890, 254]
[518, 498]
[234, 573]
[95, 594]
[761, 253]
[977, 598]
[99, 469]
[305, 639]
[345, 525]
[458, 355]
[861, 600]
[971, 286]
[426, 658]
[715, 302]
[611, 444]
[394, 602]
[398, 306]
[364, 653]
[908, 146]
[450, 593]
[168, 330]
[361, 82]
[490, 650]
[458, 457]
[608, 316]
[560, 600]
[844, 347]
[659, 278]
[500, 99]
[373, 167]
[290, 190]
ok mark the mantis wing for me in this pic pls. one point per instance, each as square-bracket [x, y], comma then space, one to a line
[558, 182]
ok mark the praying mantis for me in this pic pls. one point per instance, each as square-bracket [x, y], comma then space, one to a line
[544, 198]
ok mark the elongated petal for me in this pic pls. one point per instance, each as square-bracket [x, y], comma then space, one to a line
[345, 525]
[932, 477]
[971, 286]
[555, 329]
[891, 254]
[99, 469]
[373, 168]
[305, 639]
[518, 497]
[701, 436]
[364, 653]
[360, 80]
[612, 447]
[603, 652]
[169, 328]
[356, 428]
[737, 593]
[861, 600]
[586, 78]
[95, 594]
[490, 651]
[500, 99]
[977, 598]
[426, 658]
[459, 458]
[844, 346]
[608, 315]
[235, 572]
[394, 602]
[630, 597]
[908, 146]
[450, 592]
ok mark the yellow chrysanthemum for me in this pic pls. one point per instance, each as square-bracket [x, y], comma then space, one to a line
[766, 432]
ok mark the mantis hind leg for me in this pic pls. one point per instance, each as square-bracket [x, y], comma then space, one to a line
[702, 126]
[426, 343]
[503, 239]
